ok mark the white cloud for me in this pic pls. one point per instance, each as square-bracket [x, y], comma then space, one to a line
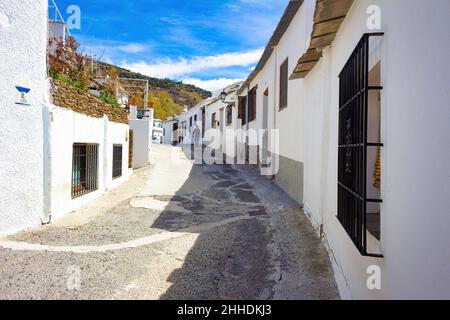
[179, 68]
[132, 48]
[211, 85]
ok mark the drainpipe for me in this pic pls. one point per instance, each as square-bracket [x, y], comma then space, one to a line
[47, 117]
[275, 109]
[247, 126]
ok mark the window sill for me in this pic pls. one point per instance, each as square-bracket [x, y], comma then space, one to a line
[282, 109]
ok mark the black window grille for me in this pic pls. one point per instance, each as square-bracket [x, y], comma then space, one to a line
[117, 161]
[353, 145]
[84, 169]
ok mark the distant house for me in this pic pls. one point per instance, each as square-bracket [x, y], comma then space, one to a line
[170, 131]
[211, 113]
[158, 131]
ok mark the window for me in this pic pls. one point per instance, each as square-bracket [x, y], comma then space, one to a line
[241, 109]
[203, 122]
[84, 169]
[213, 120]
[117, 161]
[229, 115]
[252, 104]
[284, 78]
[356, 127]
[190, 122]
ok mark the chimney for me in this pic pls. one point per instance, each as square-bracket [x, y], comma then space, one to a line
[133, 109]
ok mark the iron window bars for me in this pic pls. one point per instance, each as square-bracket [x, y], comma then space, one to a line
[117, 161]
[84, 169]
[353, 145]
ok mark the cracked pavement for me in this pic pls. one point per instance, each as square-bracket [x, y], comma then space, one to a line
[175, 230]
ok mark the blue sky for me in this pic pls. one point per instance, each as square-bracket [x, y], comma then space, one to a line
[209, 43]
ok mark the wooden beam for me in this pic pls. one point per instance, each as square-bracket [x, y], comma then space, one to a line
[322, 41]
[327, 27]
[331, 9]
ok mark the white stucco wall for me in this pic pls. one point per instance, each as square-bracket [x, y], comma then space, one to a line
[142, 142]
[23, 40]
[292, 46]
[289, 120]
[415, 131]
[168, 132]
[69, 127]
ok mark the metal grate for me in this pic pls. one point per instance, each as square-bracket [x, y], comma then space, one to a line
[84, 169]
[117, 161]
[353, 145]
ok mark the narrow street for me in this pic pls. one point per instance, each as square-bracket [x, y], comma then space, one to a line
[173, 231]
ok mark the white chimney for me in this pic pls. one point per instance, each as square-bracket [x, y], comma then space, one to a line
[133, 112]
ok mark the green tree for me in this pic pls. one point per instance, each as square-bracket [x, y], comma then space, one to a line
[163, 105]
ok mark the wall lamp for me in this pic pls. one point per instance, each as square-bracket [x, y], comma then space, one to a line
[223, 97]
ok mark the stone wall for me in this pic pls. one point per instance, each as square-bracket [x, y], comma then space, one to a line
[72, 98]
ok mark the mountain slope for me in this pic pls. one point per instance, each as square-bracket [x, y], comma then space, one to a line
[182, 94]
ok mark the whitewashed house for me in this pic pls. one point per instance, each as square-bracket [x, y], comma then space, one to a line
[61, 147]
[363, 122]
[268, 100]
[170, 129]
[141, 124]
[158, 134]
[87, 148]
[376, 120]
[23, 29]
[211, 113]
[357, 90]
